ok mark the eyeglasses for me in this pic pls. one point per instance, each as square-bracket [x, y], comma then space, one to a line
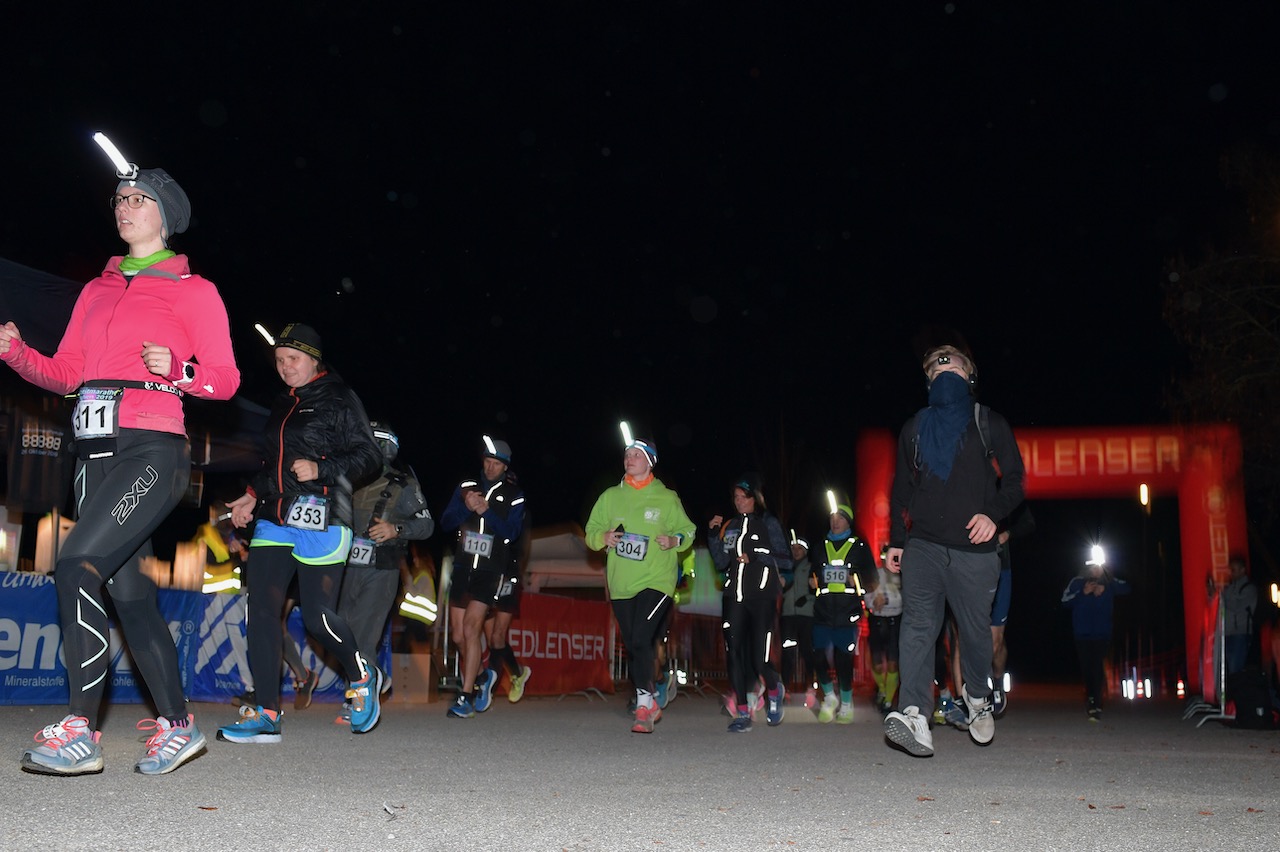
[134, 201]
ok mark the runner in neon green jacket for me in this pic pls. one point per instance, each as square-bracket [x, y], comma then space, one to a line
[644, 527]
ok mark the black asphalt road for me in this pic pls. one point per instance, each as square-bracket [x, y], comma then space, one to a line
[550, 774]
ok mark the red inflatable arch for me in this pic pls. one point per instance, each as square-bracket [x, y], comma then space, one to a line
[1201, 464]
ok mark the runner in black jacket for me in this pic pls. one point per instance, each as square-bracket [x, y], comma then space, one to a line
[751, 550]
[319, 446]
[951, 488]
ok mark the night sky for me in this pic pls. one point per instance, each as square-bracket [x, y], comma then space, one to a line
[726, 224]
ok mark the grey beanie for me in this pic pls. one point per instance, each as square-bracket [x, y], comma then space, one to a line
[175, 208]
[500, 450]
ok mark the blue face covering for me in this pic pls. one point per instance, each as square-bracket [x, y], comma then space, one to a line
[944, 422]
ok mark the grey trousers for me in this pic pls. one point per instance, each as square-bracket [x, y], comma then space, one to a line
[367, 597]
[934, 576]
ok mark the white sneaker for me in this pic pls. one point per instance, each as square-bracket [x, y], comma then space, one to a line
[827, 710]
[909, 731]
[982, 725]
[845, 714]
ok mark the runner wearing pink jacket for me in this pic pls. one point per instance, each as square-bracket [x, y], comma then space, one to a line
[142, 335]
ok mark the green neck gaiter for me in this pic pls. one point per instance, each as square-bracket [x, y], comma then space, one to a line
[130, 265]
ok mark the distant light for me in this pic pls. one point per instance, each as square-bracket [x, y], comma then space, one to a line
[125, 170]
[1144, 494]
[266, 335]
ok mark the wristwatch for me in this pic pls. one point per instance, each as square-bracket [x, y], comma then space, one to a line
[399, 530]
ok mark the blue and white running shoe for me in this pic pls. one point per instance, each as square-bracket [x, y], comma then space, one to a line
[484, 693]
[366, 704]
[254, 726]
[65, 748]
[777, 706]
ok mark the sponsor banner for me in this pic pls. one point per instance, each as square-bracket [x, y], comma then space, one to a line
[31, 667]
[208, 633]
[566, 643]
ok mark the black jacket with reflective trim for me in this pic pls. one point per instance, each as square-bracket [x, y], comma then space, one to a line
[323, 421]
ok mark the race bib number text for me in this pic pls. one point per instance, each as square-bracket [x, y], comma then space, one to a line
[835, 576]
[309, 512]
[477, 544]
[97, 413]
[361, 552]
[633, 546]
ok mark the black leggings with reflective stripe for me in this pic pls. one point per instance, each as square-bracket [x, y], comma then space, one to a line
[752, 624]
[119, 503]
[271, 569]
[640, 621]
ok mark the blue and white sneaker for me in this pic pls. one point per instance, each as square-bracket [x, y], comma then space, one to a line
[461, 708]
[170, 745]
[366, 703]
[65, 748]
[776, 707]
[741, 723]
[254, 726]
[660, 692]
[953, 714]
[999, 702]
[484, 691]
